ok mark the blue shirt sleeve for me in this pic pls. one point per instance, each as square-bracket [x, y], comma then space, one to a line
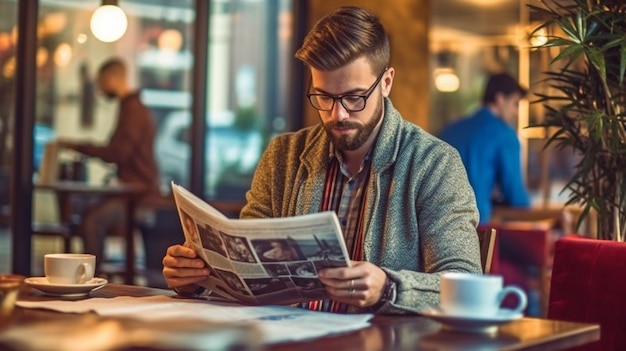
[510, 173]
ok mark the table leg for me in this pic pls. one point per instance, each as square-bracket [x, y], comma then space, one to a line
[129, 275]
[65, 216]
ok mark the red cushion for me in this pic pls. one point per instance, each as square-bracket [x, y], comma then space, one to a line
[589, 285]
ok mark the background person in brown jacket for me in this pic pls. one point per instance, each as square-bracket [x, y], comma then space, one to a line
[130, 148]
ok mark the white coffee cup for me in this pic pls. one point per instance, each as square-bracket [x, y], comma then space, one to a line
[476, 295]
[68, 268]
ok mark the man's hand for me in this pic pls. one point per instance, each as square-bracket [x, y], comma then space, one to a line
[361, 285]
[181, 266]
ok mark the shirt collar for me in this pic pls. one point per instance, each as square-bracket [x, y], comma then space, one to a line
[334, 154]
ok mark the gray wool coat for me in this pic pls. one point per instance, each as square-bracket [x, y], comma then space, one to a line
[420, 212]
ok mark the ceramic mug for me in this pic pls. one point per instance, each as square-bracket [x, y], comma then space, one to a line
[476, 295]
[67, 268]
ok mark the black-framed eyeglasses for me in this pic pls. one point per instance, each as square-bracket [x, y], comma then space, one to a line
[350, 102]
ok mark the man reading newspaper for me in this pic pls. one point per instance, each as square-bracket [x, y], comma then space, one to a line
[271, 260]
[404, 203]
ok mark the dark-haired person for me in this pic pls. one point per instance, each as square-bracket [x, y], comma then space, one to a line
[130, 148]
[406, 208]
[490, 148]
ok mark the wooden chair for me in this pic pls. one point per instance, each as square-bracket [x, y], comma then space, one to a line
[531, 264]
[54, 229]
[46, 221]
[487, 242]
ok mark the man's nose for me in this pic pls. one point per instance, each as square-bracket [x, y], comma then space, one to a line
[339, 112]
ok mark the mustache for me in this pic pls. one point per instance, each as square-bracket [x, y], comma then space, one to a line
[343, 124]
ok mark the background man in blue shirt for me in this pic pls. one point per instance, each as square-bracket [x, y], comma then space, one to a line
[490, 148]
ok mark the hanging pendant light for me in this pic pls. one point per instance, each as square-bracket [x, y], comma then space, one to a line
[446, 79]
[108, 22]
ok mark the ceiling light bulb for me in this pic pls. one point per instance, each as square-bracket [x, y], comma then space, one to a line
[108, 23]
[446, 81]
[62, 55]
[539, 38]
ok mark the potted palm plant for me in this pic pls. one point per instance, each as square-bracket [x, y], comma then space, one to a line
[585, 104]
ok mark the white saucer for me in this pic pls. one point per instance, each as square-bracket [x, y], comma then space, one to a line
[471, 324]
[65, 290]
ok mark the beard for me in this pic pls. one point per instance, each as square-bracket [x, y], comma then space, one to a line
[363, 131]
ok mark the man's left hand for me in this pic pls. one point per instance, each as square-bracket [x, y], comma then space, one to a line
[361, 285]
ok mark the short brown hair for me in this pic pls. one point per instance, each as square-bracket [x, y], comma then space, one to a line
[113, 66]
[344, 36]
[502, 83]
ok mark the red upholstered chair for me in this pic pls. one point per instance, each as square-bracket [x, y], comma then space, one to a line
[588, 285]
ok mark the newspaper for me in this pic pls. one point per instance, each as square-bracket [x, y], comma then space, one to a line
[277, 324]
[262, 261]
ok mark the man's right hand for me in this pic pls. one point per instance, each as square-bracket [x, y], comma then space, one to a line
[181, 267]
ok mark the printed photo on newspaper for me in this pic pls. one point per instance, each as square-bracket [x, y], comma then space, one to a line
[262, 261]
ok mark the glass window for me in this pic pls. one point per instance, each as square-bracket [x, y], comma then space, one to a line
[8, 48]
[157, 49]
[8, 22]
[247, 97]
[249, 54]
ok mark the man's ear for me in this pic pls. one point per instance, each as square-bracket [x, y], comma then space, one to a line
[499, 101]
[499, 98]
[387, 81]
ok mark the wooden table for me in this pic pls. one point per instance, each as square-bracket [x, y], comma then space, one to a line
[561, 216]
[66, 190]
[393, 333]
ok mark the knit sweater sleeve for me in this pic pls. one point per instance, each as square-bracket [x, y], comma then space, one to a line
[447, 240]
[423, 219]
[259, 202]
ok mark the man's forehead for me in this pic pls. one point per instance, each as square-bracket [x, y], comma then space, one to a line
[346, 76]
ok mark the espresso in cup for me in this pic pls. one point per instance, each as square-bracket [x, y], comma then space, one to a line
[476, 295]
[69, 268]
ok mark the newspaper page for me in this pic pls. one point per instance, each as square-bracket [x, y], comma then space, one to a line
[262, 261]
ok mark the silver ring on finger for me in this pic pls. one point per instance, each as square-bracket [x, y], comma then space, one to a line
[352, 284]
[351, 292]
